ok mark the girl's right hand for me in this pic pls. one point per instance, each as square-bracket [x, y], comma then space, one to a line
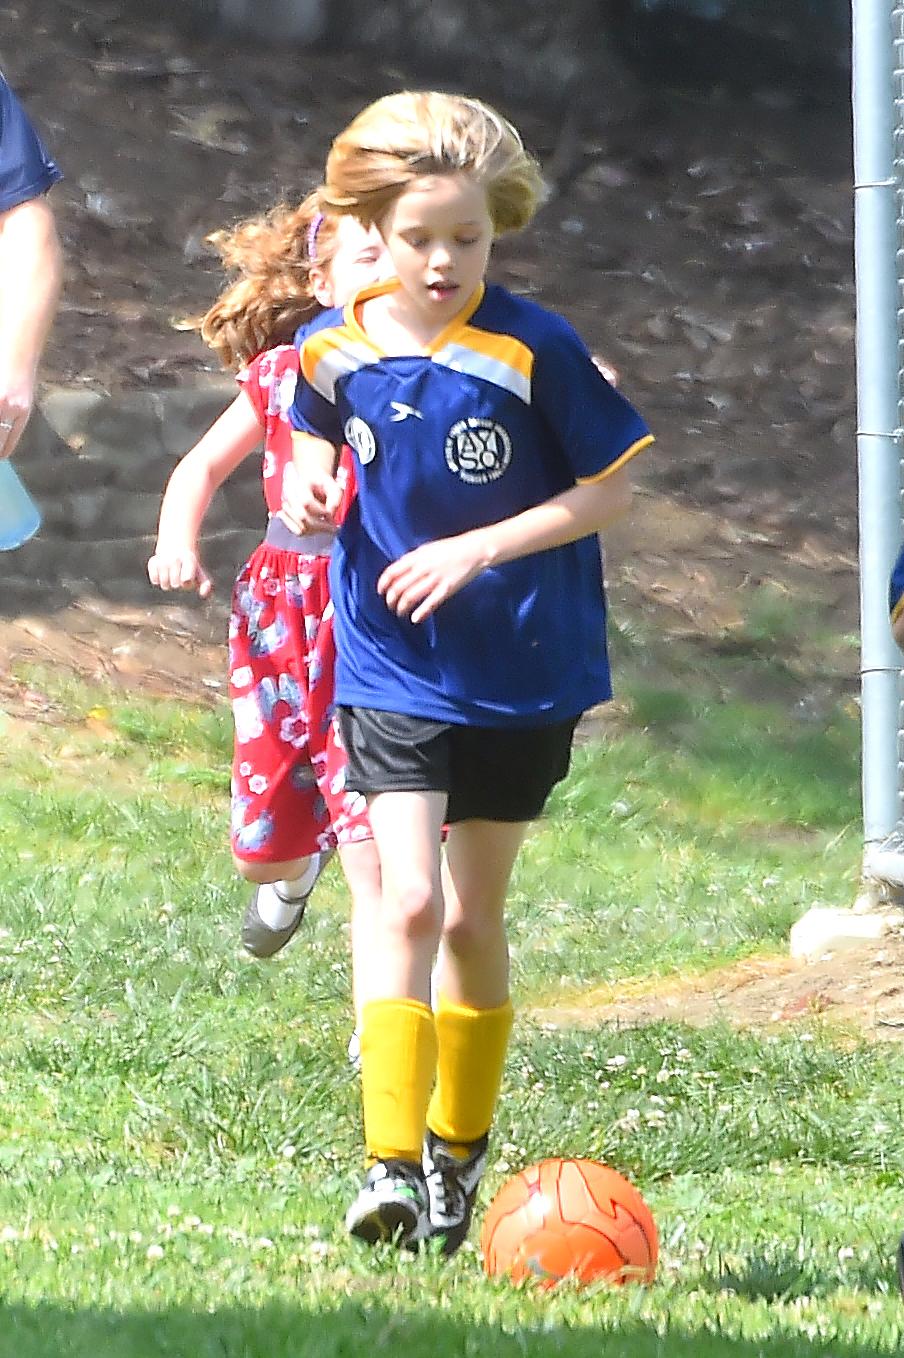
[310, 500]
[179, 569]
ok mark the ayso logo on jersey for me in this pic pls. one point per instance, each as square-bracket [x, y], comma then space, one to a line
[478, 450]
[360, 436]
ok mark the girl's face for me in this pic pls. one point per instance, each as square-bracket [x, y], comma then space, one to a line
[359, 260]
[438, 233]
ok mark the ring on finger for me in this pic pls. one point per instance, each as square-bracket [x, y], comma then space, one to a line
[6, 424]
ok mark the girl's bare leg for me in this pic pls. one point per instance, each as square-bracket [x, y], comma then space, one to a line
[265, 873]
[361, 866]
[473, 960]
[407, 827]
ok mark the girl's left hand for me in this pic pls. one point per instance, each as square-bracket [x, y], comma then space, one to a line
[416, 584]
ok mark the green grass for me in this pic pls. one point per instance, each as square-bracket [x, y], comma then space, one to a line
[180, 1127]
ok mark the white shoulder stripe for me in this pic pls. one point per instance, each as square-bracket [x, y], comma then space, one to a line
[336, 363]
[461, 359]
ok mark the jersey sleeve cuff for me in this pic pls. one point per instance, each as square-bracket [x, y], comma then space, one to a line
[26, 192]
[635, 448]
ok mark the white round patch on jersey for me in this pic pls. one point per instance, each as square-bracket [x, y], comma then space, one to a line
[478, 450]
[360, 436]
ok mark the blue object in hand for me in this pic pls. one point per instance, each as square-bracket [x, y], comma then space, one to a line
[20, 517]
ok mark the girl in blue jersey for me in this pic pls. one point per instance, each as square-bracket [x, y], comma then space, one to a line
[470, 614]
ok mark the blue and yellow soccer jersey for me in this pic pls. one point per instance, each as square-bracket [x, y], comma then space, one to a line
[503, 411]
[896, 588]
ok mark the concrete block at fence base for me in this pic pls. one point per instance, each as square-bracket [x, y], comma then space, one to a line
[825, 930]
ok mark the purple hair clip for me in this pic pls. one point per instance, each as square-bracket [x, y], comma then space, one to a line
[311, 242]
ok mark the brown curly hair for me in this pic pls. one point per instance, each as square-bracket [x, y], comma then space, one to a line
[272, 255]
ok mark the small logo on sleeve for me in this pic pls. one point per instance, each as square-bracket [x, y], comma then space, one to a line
[478, 450]
[360, 436]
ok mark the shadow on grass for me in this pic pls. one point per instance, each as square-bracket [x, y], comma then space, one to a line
[51, 1331]
[784, 1277]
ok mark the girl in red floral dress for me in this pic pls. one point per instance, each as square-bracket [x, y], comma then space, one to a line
[290, 807]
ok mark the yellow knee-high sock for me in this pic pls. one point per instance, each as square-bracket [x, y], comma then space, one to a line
[471, 1047]
[398, 1067]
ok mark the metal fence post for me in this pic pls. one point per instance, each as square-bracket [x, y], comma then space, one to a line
[878, 31]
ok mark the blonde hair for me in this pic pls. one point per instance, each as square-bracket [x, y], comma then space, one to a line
[401, 137]
[273, 255]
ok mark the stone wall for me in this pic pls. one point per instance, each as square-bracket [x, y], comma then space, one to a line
[97, 466]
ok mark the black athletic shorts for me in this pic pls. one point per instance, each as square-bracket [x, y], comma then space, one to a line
[488, 772]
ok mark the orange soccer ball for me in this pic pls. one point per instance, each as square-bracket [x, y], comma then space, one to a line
[573, 1219]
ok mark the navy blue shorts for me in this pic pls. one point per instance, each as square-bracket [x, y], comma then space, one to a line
[488, 772]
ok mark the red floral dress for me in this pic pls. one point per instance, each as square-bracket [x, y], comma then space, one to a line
[288, 773]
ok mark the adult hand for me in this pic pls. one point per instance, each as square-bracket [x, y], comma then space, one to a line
[310, 500]
[421, 580]
[17, 394]
[179, 568]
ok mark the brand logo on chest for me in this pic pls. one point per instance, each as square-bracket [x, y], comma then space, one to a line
[478, 450]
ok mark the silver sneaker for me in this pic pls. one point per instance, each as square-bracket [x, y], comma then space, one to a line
[452, 1188]
[258, 938]
[391, 1206]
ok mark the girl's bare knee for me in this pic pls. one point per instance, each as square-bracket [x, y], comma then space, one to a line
[415, 911]
[260, 873]
[470, 936]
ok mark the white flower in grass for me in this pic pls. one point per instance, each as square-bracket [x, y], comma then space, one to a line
[846, 1252]
[616, 1062]
[153, 1252]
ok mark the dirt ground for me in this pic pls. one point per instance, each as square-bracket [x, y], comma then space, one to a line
[859, 991]
[701, 241]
